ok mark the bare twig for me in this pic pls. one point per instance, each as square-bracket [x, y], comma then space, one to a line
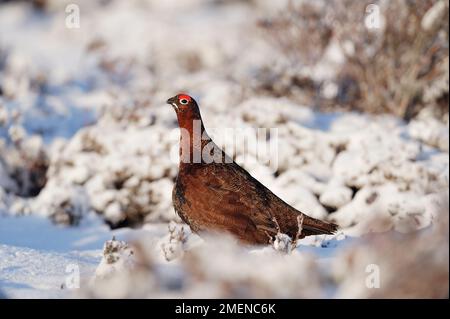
[300, 219]
[270, 238]
[276, 224]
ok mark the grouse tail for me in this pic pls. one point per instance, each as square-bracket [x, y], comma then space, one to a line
[312, 226]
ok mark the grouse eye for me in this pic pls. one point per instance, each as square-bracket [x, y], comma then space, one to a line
[184, 101]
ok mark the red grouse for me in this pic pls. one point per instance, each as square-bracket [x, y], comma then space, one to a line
[213, 193]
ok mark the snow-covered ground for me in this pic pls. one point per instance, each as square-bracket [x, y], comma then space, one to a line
[37, 257]
[83, 116]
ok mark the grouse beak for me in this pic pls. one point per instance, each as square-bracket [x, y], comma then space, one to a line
[172, 101]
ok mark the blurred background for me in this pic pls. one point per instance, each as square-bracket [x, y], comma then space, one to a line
[358, 91]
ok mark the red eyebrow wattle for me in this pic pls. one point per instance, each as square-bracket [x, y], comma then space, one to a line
[184, 96]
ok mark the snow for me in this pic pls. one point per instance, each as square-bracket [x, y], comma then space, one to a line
[88, 115]
[34, 255]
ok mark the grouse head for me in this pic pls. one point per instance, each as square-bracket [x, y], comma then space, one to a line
[185, 106]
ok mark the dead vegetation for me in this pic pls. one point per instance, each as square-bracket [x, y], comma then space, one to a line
[375, 267]
[282, 242]
[401, 275]
[399, 66]
[23, 158]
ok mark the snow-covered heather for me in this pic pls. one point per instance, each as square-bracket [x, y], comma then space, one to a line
[88, 152]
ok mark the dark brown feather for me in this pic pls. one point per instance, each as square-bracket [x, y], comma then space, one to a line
[224, 197]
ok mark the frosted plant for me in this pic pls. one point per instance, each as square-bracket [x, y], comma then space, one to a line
[3, 116]
[381, 70]
[176, 244]
[432, 17]
[284, 243]
[17, 133]
[117, 256]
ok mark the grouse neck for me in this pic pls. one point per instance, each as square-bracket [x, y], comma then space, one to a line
[193, 139]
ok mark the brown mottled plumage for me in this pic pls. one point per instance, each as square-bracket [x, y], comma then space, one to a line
[222, 196]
